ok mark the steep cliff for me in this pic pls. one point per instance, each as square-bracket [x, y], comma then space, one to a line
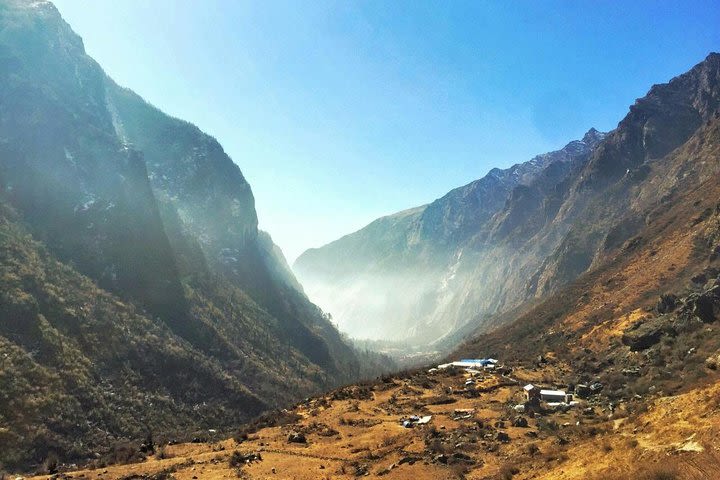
[150, 215]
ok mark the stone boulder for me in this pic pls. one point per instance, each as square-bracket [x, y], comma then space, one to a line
[666, 304]
[713, 361]
[644, 335]
[295, 437]
[520, 422]
[706, 306]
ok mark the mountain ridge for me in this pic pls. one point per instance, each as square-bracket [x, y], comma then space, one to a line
[148, 214]
[484, 259]
[422, 233]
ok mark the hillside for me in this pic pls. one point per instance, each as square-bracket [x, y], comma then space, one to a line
[474, 431]
[134, 271]
[656, 294]
[150, 330]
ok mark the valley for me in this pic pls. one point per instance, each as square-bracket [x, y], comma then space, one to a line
[150, 329]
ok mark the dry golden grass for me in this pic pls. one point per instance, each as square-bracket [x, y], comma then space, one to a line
[684, 428]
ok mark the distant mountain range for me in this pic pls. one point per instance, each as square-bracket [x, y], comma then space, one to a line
[138, 295]
[438, 272]
[415, 273]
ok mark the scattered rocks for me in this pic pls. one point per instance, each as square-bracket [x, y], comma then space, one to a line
[238, 459]
[385, 471]
[713, 361]
[582, 390]
[502, 437]
[520, 422]
[706, 307]
[295, 437]
[454, 458]
[462, 414]
[409, 460]
[360, 469]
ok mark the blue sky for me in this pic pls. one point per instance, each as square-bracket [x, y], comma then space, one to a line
[338, 112]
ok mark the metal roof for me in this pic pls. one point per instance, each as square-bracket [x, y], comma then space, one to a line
[552, 392]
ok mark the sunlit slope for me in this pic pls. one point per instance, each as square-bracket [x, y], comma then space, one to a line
[473, 433]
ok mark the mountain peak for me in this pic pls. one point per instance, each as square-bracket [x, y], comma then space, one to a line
[593, 136]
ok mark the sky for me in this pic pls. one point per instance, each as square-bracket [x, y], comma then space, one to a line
[339, 112]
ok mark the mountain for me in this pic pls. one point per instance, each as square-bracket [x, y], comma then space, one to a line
[139, 295]
[510, 239]
[415, 273]
[644, 215]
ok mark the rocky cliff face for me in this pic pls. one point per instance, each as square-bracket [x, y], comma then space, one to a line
[152, 212]
[607, 201]
[84, 192]
[519, 234]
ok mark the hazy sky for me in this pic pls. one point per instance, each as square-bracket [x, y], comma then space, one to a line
[339, 112]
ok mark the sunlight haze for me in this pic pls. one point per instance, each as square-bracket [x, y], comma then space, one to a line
[340, 112]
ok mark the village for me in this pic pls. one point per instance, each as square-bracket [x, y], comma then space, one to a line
[537, 400]
[471, 418]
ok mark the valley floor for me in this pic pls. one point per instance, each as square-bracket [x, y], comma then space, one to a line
[356, 431]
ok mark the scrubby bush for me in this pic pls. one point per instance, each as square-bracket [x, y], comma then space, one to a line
[161, 453]
[236, 459]
[507, 471]
[660, 473]
[123, 452]
[51, 464]
[532, 449]
[547, 426]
